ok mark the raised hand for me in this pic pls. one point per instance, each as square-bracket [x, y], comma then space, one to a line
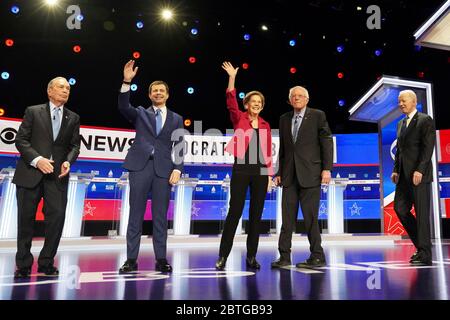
[129, 71]
[228, 67]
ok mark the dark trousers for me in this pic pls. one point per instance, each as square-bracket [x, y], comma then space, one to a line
[141, 183]
[418, 228]
[258, 189]
[54, 209]
[309, 200]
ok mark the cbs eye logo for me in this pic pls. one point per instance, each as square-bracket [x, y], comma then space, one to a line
[8, 135]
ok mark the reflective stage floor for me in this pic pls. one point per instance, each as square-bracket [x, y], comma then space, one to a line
[356, 270]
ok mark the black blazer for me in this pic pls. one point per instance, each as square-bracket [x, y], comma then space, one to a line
[311, 153]
[35, 138]
[415, 147]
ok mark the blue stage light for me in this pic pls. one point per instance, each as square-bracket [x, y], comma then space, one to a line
[15, 9]
[246, 37]
[80, 17]
[72, 81]
[133, 87]
[241, 95]
[292, 43]
[341, 103]
[378, 52]
[139, 24]
[194, 31]
[340, 48]
[190, 90]
[5, 75]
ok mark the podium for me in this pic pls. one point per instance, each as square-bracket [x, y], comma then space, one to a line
[226, 186]
[124, 185]
[76, 194]
[183, 205]
[8, 205]
[335, 205]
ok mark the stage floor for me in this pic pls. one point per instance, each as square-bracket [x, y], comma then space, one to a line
[358, 268]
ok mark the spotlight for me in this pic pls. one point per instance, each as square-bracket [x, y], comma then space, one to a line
[190, 90]
[293, 70]
[421, 74]
[340, 48]
[9, 42]
[194, 31]
[192, 60]
[15, 9]
[133, 87]
[292, 43]
[341, 102]
[340, 75]
[264, 27]
[72, 81]
[51, 2]
[241, 95]
[5, 75]
[359, 8]
[245, 66]
[76, 49]
[187, 122]
[139, 24]
[2, 112]
[80, 17]
[246, 37]
[378, 52]
[136, 55]
[167, 14]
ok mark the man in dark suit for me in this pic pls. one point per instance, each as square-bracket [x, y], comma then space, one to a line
[413, 174]
[48, 141]
[152, 169]
[305, 161]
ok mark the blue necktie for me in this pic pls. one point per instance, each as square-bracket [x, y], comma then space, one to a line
[403, 128]
[296, 126]
[158, 118]
[56, 122]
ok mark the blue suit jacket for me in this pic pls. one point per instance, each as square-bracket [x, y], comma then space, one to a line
[147, 142]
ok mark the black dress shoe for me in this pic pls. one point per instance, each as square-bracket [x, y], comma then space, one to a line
[22, 273]
[50, 270]
[311, 263]
[220, 263]
[163, 266]
[280, 263]
[414, 256]
[129, 266]
[252, 263]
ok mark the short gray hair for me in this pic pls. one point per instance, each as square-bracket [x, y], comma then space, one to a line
[50, 84]
[297, 87]
[410, 93]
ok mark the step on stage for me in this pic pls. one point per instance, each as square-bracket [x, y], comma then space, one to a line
[359, 267]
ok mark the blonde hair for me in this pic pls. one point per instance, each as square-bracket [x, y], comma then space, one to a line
[254, 93]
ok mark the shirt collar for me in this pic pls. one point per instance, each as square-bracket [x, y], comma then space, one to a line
[301, 112]
[163, 109]
[412, 114]
[52, 106]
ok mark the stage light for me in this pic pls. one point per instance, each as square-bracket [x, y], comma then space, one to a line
[340, 75]
[133, 87]
[80, 17]
[417, 48]
[2, 112]
[187, 122]
[246, 37]
[421, 74]
[245, 66]
[9, 42]
[293, 70]
[241, 95]
[378, 52]
[5, 75]
[190, 90]
[341, 102]
[340, 48]
[192, 60]
[15, 9]
[358, 8]
[167, 14]
[292, 43]
[194, 31]
[76, 49]
[139, 24]
[136, 55]
[72, 81]
[264, 27]
[51, 2]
